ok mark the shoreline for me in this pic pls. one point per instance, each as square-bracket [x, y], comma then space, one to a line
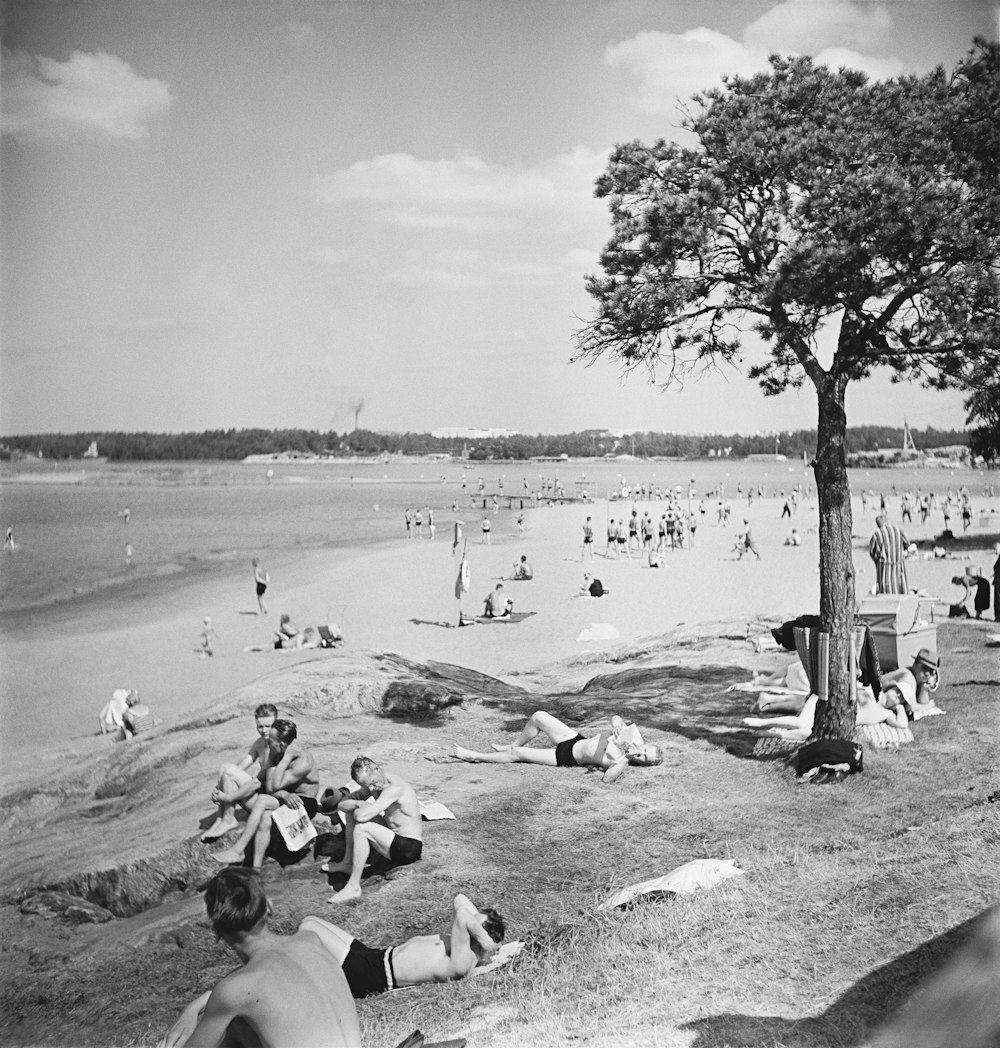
[61, 662]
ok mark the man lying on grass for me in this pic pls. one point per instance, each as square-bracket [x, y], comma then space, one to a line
[475, 936]
[388, 821]
[290, 993]
[571, 750]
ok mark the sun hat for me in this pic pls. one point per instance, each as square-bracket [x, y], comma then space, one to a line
[927, 658]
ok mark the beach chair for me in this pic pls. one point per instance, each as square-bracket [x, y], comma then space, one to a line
[329, 636]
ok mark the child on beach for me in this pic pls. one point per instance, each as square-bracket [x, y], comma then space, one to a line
[207, 635]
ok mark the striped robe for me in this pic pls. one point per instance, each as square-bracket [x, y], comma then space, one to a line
[886, 548]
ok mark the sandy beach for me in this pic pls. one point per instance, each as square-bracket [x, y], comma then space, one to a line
[62, 663]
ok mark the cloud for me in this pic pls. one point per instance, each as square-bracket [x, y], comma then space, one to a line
[804, 27]
[95, 93]
[463, 194]
[671, 67]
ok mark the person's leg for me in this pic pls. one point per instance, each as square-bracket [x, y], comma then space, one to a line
[364, 835]
[262, 802]
[802, 720]
[231, 778]
[512, 755]
[540, 721]
[262, 838]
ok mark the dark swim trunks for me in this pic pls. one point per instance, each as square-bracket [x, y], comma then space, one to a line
[564, 753]
[261, 587]
[368, 971]
[404, 850]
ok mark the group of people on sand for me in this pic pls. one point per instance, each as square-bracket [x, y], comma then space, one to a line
[300, 988]
[125, 715]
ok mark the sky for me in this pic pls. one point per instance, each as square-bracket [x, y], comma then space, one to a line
[237, 213]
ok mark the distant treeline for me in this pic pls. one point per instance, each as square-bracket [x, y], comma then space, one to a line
[235, 444]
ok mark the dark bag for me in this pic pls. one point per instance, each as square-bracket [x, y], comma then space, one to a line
[820, 757]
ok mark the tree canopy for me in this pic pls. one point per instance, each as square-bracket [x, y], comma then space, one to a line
[850, 224]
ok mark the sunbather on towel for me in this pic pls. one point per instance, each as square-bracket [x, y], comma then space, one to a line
[801, 725]
[571, 750]
[912, 686]
[475, 936]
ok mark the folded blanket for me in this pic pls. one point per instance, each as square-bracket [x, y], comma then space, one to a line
[774, 747]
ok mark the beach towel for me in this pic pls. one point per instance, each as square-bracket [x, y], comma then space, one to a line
[698, 875]
[599, 631]
[883, 736]
[771, 746]
[434, 811]
[514, 616]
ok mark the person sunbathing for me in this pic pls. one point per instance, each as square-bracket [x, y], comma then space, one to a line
[523, 572]
[475, 937]
[571, 750]
[497, 604]
[285, 634]
[800, 725]
[913, 686]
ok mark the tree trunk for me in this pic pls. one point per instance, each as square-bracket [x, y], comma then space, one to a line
[835, 717]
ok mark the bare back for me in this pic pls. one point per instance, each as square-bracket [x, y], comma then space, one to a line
[293, 994]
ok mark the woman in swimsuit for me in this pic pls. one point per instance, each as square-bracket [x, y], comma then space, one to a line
[261, 579]
[571, 750]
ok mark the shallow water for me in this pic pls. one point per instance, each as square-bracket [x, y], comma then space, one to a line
[187, 518]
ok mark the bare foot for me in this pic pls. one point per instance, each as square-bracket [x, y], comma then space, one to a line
[346, 894]
[218, 829]
[335, 867]
[227, 857]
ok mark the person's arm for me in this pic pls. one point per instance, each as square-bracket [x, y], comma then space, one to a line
[291, 771]
[178, 1034]
[467, 927]
[375, 806]
[220, 1010]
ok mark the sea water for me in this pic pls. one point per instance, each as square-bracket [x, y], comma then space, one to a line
[189, 518]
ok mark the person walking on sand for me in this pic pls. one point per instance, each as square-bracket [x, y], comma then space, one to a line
[486, 531]
[749, 546]
[588, 540]
[887, 548]
[291, 991]
[261, 580]
[208, 634]
[389, 822]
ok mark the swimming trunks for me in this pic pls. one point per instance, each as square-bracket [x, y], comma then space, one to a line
[261, 587]
[404, 850]
[368, 971]
[564, 753]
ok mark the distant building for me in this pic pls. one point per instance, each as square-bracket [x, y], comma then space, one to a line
[462, 433]
[91, 452]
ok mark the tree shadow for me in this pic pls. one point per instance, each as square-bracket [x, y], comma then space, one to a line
[852, 1018]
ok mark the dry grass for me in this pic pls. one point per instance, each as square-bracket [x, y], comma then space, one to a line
[853, 892]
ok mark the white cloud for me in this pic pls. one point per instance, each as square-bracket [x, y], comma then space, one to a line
[465, 194]
[804, 27]
[91, 92]
[671, 67]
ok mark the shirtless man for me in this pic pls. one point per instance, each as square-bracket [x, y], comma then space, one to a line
[290, 778]
[497, 604]
[290, 992]
[235, 784]
[571, 750]
[475, 937]
[388, 821]
[912, 686]
[523, 571]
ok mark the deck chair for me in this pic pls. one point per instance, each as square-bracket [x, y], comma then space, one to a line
[330, 635]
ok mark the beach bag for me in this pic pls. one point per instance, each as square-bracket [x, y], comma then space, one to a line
[828, 760]
[295, 827]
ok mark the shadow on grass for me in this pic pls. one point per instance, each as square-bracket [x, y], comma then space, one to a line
[852, 1018]
[691, 701]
